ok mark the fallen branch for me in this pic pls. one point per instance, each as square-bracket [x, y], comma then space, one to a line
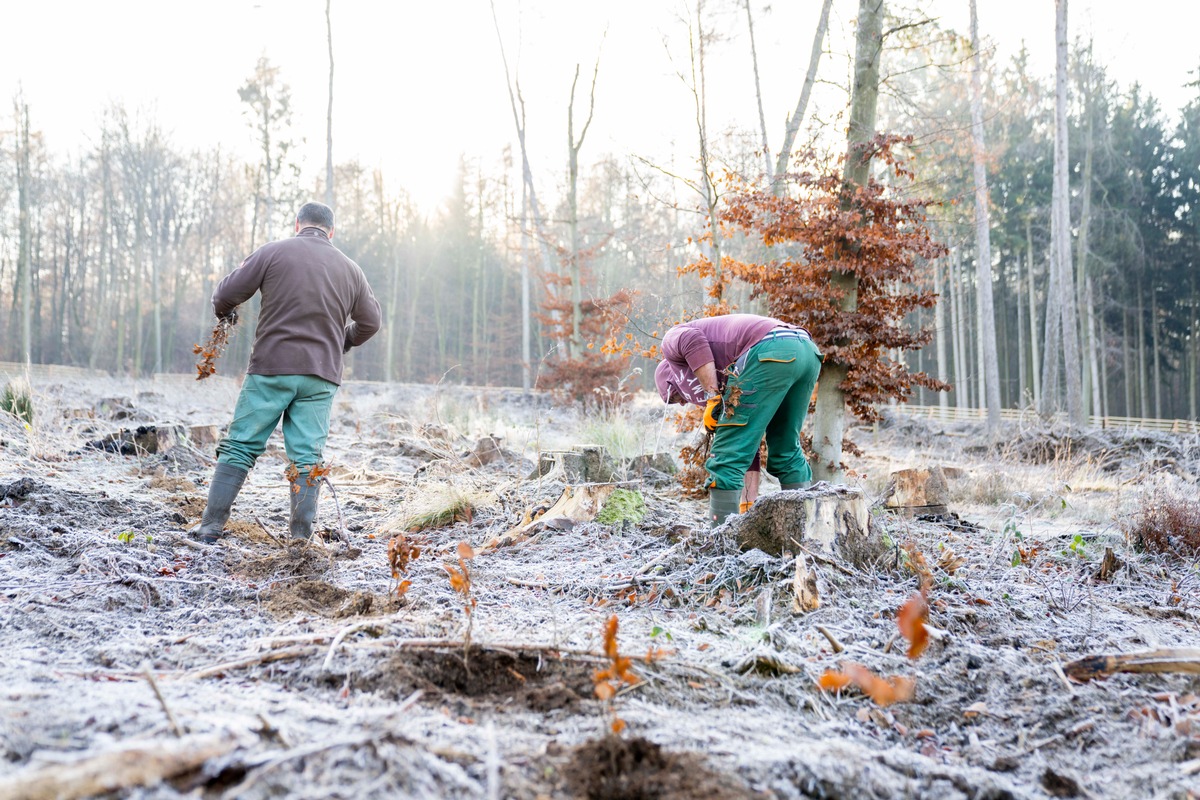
[112, 771]
[1185, 660]
[833, 642]
[162, 701]
[342, 634]
[269, 657]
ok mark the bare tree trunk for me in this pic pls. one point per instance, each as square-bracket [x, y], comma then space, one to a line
[139, 255]
[107, 263]
[829, 421]
[1061, 235]
[1091, 341]
[518, 110]
[575, 343]
[1127, 364]
[1193, 332]
[1143, 377]
[526, 332]
[962, 389]
[943, 366]
[1034, 368]
[329, 115]
[713, 296]
[762, 119]
[797, 118]
[1022, 356]
[25, 245]
[990, 369]
[479, 297]
[1096, 351]
[1051, 363]
[1155, 353]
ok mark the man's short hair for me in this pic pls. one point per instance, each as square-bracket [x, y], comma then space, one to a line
[317, 214]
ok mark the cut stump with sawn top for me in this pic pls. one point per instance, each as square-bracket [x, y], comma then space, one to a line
[918, 491]
[825, 518]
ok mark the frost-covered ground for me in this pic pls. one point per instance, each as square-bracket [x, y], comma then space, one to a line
[294, 670]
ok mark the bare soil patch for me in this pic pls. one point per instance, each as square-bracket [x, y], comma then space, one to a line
[613, 768]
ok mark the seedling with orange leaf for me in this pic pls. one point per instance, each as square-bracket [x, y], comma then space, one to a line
[317, 474]
[402, 551]
[460, 582]
[912, 616]
[618, 673]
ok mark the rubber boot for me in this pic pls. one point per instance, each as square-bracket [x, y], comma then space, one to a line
[722, 503]
[304, 507]
[226, 482]
[800, 485]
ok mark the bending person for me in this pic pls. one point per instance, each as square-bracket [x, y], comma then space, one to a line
[754, 376]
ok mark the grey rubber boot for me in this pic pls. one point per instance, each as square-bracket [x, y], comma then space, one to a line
[722, 503]
[800, 485]
[304, 507]
[223, 489]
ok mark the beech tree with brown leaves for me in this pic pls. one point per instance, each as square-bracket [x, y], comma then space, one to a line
[875, 234]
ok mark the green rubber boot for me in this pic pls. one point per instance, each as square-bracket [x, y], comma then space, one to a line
[800, 485]
[226, 482]
[304, 507]
[722, 503]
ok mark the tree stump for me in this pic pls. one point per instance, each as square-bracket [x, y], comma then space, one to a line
[918, 491]
[204, 434]
[584, 463]
[826, 518]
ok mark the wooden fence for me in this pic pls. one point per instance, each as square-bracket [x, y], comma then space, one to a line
[952, 414]
[46, 372]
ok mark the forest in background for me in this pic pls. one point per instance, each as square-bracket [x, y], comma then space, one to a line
[108, 255]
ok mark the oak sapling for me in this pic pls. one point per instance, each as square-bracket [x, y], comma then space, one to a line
[402, 551]
[618, 674]
[211, 350]
[460, 582]
[315, 475]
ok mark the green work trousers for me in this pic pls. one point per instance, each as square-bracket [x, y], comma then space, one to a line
[766, 394]
[303, 401]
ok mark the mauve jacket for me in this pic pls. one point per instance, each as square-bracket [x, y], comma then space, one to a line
[309, 291]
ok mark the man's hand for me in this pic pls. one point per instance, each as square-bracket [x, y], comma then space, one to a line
[230, 318]
[710, 412]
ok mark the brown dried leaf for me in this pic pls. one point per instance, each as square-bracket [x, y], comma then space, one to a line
[911, 621]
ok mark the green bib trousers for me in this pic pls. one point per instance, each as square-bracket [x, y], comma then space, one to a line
[302, 401]
[766, 394]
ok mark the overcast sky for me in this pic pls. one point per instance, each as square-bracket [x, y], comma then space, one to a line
[418, 83]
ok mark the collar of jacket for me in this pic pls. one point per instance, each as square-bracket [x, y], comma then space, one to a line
[312, 230]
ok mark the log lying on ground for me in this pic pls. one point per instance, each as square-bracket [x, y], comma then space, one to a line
[826, 518]
[137, 764]
[1182, 659]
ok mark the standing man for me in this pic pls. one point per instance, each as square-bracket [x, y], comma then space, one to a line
[753, 376]
[316, 305]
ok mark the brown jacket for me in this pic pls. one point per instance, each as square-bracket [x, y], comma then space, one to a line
[309, 291]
